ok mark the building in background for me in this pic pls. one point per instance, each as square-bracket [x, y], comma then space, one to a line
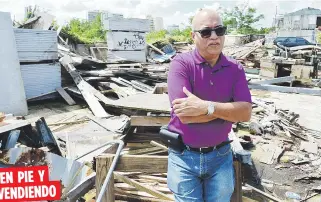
[92, 15]
[151, 23]
[171, 28]
[301, 23]
[158, 23]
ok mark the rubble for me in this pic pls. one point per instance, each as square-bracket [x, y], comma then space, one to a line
[126, 100]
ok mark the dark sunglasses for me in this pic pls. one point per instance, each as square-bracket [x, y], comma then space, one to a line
[207, 32]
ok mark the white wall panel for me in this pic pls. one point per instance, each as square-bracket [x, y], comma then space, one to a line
[12, 93]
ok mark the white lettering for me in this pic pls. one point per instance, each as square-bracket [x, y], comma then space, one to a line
[38, 192]
[45, 191]
[21, 175]
[21, 193]
[41, 174]
[6, 177]
[52, 191]
[7, 196]
[28, 192]
[14, 193]
[29, 177]
[31, 195]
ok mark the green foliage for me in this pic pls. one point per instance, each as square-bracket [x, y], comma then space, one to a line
[85, 32]
[319, 38]
[174, 36]
[31, 12]
[242, 19]
[152, 37]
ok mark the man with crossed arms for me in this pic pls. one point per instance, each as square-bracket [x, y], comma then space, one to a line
[208, 92]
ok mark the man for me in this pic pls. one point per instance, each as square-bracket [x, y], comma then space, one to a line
[208, 92]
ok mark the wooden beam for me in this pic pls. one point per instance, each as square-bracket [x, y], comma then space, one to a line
[102, 167]
[141, 187]
[264, 194]
[84, 88]
[133, 198]
[143, 151]
[159, 145]
[66, 96]
[149, 120]
[137, 163]
[237, 194]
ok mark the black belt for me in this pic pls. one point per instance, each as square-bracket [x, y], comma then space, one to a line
[204, 150]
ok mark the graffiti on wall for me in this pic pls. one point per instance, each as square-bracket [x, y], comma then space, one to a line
[133, 41]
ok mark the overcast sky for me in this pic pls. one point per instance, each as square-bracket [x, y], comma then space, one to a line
[172, 11]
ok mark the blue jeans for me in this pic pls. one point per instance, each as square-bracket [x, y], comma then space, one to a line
[193, 176]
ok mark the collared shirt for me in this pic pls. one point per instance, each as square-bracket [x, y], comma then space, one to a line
[225, 82]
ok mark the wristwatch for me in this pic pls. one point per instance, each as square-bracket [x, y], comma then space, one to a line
[210, 108]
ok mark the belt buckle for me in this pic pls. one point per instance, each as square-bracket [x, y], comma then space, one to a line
[202, 148]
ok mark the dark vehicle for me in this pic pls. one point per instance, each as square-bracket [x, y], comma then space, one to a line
[291, 41]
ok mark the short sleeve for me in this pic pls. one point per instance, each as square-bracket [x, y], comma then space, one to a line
[241, 92]
[178, 77]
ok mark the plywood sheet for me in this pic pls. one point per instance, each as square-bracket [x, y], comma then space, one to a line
[12, 92]
[146, 102]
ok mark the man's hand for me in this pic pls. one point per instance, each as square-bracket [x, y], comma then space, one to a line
[189, 106]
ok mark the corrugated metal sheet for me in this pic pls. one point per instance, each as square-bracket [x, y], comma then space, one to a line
[40, 79]
[36, 45]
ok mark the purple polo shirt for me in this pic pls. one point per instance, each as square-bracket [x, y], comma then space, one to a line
[225, 82]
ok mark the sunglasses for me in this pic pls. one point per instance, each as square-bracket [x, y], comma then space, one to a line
[207, 32]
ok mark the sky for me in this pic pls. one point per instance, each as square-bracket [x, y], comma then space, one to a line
[172, 11]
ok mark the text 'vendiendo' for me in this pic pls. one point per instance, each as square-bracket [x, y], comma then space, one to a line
[28, 184]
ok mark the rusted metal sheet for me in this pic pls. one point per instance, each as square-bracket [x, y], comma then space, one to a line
[69, 172]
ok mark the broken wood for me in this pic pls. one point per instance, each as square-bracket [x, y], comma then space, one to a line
[275, 80]
[141, 187]
[137, 163]
[144, 151]
[158, 145]
[149, 120]
[284, 89]
[84, 88]
[264, 194]
[11, 124]
[102, 168]
[134, 198]
[66, 96]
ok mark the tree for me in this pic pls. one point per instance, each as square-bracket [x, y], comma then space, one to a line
[84, 31]
[242, 19]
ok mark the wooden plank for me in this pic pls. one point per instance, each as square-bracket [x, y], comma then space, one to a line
[137, 163]
[129, 41]
[66, 96]
[143, 151]
[127, 24]
[264, 194]
[284, 89]
[159, 145]
[275, 80]
[141, 187]
[237, 194]
[133, 198]
[8, 125]
[149, 120]
[125, 186]
[156, 102]
[133, 56]
[84, 87]
[102, 167]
